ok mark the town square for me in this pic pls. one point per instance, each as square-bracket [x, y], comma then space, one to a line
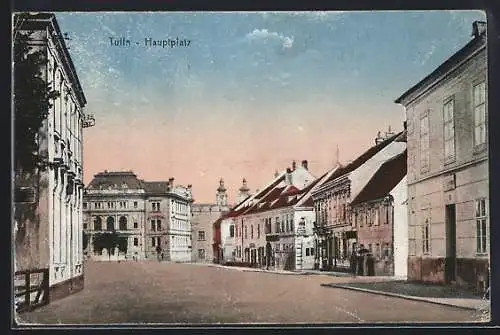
[250, 168]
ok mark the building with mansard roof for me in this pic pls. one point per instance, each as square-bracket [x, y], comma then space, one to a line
[143, 215]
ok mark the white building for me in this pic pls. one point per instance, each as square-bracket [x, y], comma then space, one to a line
[146, 216]
[48, 204]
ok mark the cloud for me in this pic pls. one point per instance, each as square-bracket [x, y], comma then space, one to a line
[264, 34]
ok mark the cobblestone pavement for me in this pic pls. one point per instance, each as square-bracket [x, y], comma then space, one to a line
[152, 292]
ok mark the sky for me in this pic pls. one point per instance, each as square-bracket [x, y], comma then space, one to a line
[252, 91]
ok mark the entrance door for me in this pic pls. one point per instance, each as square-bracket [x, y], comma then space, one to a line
[451, 244]
[268, 254]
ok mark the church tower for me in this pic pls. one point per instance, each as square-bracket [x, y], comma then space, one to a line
[221, 196]
[244, 191]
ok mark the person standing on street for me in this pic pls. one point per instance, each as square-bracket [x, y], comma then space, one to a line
[158, 253]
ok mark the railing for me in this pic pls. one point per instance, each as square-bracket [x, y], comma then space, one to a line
[25, 287]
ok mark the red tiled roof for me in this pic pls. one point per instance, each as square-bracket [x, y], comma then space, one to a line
[384, 180]
[364, 157]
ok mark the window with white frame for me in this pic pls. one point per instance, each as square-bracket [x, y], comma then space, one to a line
[481, 234]
[449, 130]
[479, 101]
[424, 142]
[426, 237]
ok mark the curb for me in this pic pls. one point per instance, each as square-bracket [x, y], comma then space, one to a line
[401, 296]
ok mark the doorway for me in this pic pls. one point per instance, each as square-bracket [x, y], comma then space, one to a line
[451, 243]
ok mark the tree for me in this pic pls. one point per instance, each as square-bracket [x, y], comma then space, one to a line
[32, 100]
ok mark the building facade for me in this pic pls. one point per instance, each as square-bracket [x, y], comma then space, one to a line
[274, 227]
[128, 218]
[335, 229]
[48, 203]
[204, 248]
[448, 176]
[376, 213]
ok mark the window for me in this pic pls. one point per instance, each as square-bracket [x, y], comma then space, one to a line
[479, 98]
[135, 204]
[231, 231]
[283, 226]
[251, 231]
[123, 223]
[312, 251]
[307, 252]
[158, 224]
[387, 212]
[98, 223]
[378, 251]
[386, 250]
[153, 225]
[246, 235]
[136, 225]
[424, 143]
[84, 205]
[291, 223]
[155, 206]
[287, 224]
[449, 130]
[153, 241]
[201, 235]
[258, 230]
[201, 253]
[426, 233]
[481, 236]
[277, 225]
[84, 226]
[136, 241]
[110, 223]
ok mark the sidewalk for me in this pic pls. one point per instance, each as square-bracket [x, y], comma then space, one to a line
[441, 295]
[299, 272]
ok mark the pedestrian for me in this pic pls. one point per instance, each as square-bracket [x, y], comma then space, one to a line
[353, 261]
[158, 253]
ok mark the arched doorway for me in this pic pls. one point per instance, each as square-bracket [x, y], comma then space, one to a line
[110, 223]
[122, 223]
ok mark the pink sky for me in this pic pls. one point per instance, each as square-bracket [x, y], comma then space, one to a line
[201, 151]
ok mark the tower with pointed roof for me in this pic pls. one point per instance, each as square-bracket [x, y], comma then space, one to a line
[221, 195]
[244, 191]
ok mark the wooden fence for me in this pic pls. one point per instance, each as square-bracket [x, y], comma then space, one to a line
[31, 289]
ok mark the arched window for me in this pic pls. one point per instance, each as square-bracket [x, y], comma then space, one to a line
[110, 223]
[123, 223]
[98, 223]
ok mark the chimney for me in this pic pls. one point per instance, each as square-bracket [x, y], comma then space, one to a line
[379, 139]
[478, 28]
[294, 166]
[190, 186]
[305, 164]
[276, 174]
[171, 182]
[288, 178]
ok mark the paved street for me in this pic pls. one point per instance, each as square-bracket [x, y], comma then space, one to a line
[151, 292]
